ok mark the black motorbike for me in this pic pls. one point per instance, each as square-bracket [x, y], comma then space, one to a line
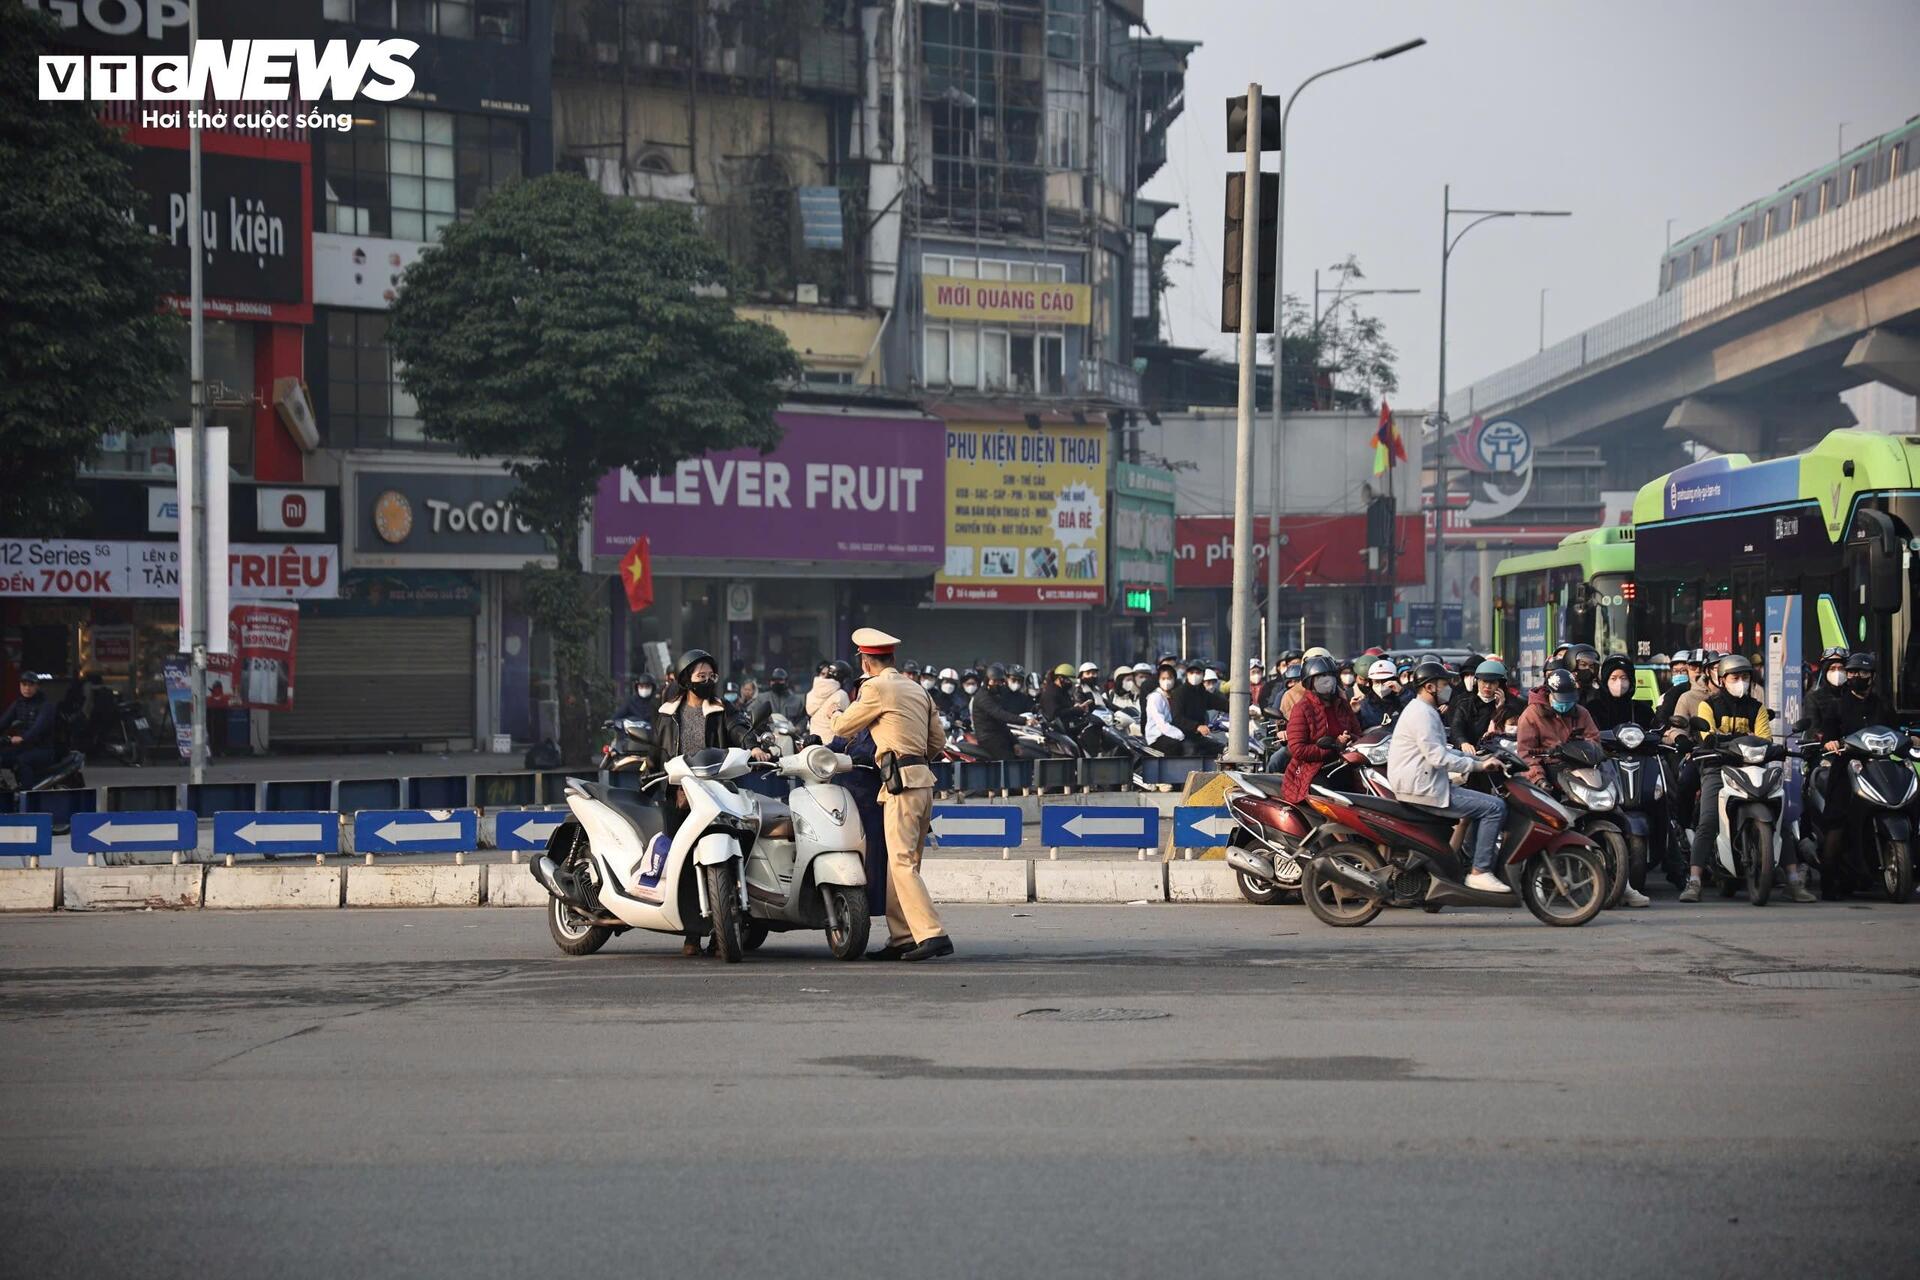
[630, 751]
[66, 773]
[1580, 773]
[1873, 819]
[1645, 770]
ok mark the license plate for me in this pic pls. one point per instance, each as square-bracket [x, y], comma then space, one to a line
[139, 722]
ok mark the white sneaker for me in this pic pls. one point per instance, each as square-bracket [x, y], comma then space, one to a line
[1487, 882]
[1632, 897]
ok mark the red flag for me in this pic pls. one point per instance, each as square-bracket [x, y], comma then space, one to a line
[1387, 446]
[636, 575]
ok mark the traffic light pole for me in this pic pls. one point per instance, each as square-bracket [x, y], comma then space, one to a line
[1238, 696]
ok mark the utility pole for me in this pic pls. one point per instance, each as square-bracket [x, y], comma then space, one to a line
[1237, 694]
[197, 621]
[1543, 319]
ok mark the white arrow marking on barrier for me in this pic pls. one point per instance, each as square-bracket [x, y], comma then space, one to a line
[1214, 824]
[19, 835]
[538, 830]
[127, 832]
[394, 832]
[1081, 825]
[255, 832]
[970, 826]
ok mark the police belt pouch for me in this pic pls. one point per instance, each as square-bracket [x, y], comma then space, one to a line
[892, 769]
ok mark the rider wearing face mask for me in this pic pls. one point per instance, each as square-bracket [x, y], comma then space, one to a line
[694, 717]
[1544, 726]
[1169, 730]
[1612, 704]
[993, 719]
[643, 703]
[1380, 704]
[1733, 711]
[1420, 766]
[1826, 703]
[1321, 724]
[1477, 714]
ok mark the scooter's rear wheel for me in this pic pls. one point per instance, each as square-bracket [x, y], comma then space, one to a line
[1335, 904]
[572, 932]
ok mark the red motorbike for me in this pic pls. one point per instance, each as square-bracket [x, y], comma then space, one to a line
[1383, 853]
[1268, 847]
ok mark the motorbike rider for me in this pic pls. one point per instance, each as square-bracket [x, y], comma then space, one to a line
[1611, 703]
[1319, 727]
[1839, 708]
[1732, 711]
[829, 696]
[1348, 679]
[1380, 704]
[26, 732]
[1057, 696]
[1165, 733]
[1584, 660]
[993, 718]
[1485, 710]
[1705, 682]
[693, 717]
[1675, 685]
[776, 699]
[1016, 698]
[643, 702]
[1419, 763]
[1090, 695]
[1124, 695]
[1544, 726]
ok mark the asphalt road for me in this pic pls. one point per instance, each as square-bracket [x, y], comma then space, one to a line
[440, 1093]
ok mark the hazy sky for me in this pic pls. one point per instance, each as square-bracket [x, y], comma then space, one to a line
[1625, 112]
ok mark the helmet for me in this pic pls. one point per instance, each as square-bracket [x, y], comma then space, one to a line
[1560, 682]
[1381, 670]
[1211, 675]
[691, 659]
[1316, 652]
[1863, 662]
[777, 676]
[1290, 655]
[1321, 664]
[1838, 653]
[1580, 653]
[1661, 660]
[1064, 669]
[1490, 669]
[1345, 664]
[1405, 667]
[996, 672]
[1016, 671]
[909, 668]
[1731, 665]
[1122, 671]
[948, 673]
[1292, 672]
[839, 670]
[1143, 668]
[1089, 669]
[1560, 649]
[1615, 662]
[1428, 672]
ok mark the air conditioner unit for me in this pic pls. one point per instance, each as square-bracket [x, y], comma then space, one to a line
[807, 295]
[290, 402]
[607, 53]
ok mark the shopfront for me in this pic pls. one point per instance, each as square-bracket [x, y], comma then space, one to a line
[770, 560]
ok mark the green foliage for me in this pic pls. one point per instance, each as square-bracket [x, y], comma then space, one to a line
[83, 346]
[1345, 361]
[576, 333]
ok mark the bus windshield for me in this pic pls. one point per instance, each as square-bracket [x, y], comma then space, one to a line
[1611, 609]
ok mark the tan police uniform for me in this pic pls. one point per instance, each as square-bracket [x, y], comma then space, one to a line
[902, 719]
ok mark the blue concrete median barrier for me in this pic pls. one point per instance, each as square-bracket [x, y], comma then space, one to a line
[1077, 826]
[1060, 774]
[976, 826]
[144, 797]
[208, 798]
[504, 790]
[297, 794]
[1019, 774]
[1172, 771]
[26, 835]
[415, 831]
[980, 775]
[1201, 827]
[60, 805]
[135, 831]
[439, 791]
[526, 829]
[288, 832]
[353, 794]
[1106, 773]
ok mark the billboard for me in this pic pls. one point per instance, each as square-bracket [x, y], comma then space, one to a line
[1007, 302]
[1026, 515]
[1143, 534]
[1315, 551]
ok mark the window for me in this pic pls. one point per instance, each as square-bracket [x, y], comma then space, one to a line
[1063, 139]
[409, 172]
[939, 342]
[1826, 192]
[1799, 207]
[1063, 29]
[1896, 163]
[365, 403]
[1740, 240]
[502, 20]
[1768, 233]
[994, 360]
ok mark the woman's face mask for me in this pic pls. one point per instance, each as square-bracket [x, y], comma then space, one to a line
[1194, 677]
[1166, 682]
[1679, 678]
[1324, 685]
[1563, 705]
[1347, 678]
[971, 687]
[1836, 677]
[1487, 690]
[946, 686]
[1738, 686]
[1618, 686]
[643, 690]
[926, 683]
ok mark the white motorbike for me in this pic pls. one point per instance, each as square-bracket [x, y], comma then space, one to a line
[1752, 810]
[741, 865]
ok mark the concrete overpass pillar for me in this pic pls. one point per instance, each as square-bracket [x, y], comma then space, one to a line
[1760, 426]
[1888, 356]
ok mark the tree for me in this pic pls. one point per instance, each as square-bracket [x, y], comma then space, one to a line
[571, 333]
[84, 346]
[1342, 361]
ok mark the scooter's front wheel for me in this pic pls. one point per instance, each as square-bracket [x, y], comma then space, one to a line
[1896, 869]
[1565, 886]
[572, 932]
[850, 921]
[723, 900]
[1759, 863]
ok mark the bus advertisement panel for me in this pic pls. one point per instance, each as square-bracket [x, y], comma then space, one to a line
[1533, 647]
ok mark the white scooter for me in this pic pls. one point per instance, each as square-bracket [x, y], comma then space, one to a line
[1752, 811]
[743, 864]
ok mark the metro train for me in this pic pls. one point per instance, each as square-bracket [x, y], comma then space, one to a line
[1871, 164]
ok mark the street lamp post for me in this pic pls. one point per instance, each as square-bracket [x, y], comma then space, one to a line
[1340, 297]
[1280, 345]
[1448, 242]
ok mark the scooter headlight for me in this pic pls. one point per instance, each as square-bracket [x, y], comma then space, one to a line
[1630, 736]
[1879, 744]
[820, 763]
[1594, 798]
[1752, 752]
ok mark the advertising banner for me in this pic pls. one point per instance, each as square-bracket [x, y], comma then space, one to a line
[1533, 647]
[1315, 551]
[1717, 485]
[441, 518]
[259, 231]
[264, 639]
[70, 568]
[1026, 515]
[837, 487]
[1008, 302]
[1785, 677]
[1716, 625]
[1143, 530]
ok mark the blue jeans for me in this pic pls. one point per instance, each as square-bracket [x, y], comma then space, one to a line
[1489, 814]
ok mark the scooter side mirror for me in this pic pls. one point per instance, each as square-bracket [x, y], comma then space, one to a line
[1802, 724]
[1704, 726]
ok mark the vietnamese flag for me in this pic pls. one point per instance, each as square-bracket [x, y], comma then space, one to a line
[1387, 446]
[636, 575]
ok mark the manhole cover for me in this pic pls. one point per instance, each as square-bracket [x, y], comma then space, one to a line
[1826, 980]
[1096, 1015]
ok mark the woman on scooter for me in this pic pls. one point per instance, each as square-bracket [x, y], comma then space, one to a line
[1321, 724]
[692, 718]
[1611, 702]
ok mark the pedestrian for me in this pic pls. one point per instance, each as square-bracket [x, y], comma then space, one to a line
[26, 732]
[906, 736]
[828, 698]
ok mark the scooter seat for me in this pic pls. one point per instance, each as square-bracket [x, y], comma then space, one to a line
[643, 814]
[1267, 784]
[1405, 812]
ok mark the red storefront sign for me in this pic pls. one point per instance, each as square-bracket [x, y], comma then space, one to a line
[1315, 551]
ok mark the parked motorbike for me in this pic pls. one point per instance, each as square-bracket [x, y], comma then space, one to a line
[111, 728]
[631, 750]
[1874, 820]
[740, 866]
[1752, 807]
[1393, 854]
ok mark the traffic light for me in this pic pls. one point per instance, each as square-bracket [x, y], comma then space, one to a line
[1269, 123]
[1137, 600]
[1230, 252]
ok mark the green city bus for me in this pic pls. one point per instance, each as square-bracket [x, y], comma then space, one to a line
[1580, 592]
[1781, 559]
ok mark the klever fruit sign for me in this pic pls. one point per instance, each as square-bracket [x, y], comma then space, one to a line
[1026, 515]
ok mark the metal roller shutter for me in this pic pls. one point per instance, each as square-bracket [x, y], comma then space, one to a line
[364, 680]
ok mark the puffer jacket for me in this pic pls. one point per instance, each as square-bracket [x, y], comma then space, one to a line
[825, 701]
[1313, 718]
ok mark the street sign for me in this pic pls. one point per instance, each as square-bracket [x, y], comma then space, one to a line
[26, 835]
[301, 831]
[1099, 826]
[415, 830]
[1200, 827]
[151, 831]
[527, 829]
[969, 826]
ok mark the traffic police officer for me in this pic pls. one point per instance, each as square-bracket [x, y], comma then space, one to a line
[906, 735]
